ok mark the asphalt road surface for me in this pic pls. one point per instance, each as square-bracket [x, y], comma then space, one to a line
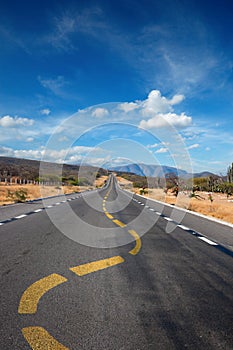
[109, 270]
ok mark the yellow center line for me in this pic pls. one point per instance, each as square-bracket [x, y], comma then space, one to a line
[119, 223]
[94, 266]
[109, 215]
[138, 242]
[138, 245]
[39, 339]
[31, 296]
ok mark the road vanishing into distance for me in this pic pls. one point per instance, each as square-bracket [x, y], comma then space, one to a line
[107, 269]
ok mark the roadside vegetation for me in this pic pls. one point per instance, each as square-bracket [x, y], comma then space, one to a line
[211, 195]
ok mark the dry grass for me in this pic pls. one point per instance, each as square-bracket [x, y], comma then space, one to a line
[35, 191]
[100, 181]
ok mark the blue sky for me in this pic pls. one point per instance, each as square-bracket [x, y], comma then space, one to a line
[163, 69]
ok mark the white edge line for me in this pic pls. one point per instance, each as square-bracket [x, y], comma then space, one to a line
[185, 210]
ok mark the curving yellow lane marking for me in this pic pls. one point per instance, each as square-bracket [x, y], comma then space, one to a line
[94, 266]
[138, 241]
[31, 296]
[39, 339]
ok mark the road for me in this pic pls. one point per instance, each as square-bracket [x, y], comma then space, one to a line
[130, 278]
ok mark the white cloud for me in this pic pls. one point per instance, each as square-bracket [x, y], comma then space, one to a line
[100, 112]
[63, 139]
[153, 146]
[164, 120]
[196, 145]
[13, 122]
[162, 150]
[155, 103]
[176, 99]
[45, 111]
[29, 139]
[66, 155]
[53, 84]
[157, 111]
[129, 106]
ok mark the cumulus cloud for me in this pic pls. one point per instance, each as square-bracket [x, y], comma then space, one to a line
[29, 139]
[45, 111]
[129, 106]
[12, 122]
[176, 99]
[156, 103]
[153, 146]
[157, 111]
[162, 150]
[100, 112]
[162, 120]
[196, 145]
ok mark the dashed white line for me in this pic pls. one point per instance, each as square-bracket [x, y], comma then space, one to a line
[20, 216]
[49, 206]
[57, 203]
[1, 223]
[167, 218]
[184, 227]
[152, 209]
[158, 213]
[207, 240]
[37, 210]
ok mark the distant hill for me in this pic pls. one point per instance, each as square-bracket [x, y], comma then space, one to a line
[205, 174]
[29, 169]
[161, 171]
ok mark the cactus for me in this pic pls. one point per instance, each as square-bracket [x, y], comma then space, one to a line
[230, 174]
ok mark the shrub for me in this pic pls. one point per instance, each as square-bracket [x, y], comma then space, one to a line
[19, 196]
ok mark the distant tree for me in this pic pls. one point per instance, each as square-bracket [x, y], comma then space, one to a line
[172, 183]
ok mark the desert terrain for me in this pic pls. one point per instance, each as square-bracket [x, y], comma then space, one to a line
[220, 208]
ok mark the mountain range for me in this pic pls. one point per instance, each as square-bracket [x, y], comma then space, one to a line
[161, 171]
[29, 169]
